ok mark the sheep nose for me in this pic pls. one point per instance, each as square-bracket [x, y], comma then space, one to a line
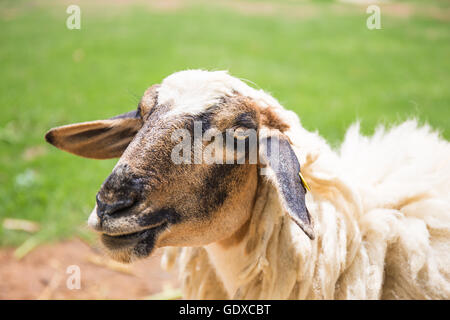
[120, 191]
[108, 209]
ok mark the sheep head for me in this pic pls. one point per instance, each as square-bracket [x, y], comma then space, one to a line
[176, 182]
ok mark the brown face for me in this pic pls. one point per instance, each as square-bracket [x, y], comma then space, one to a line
[149, 200]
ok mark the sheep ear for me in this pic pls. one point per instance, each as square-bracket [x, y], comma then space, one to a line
[101, 139]
[282, 169]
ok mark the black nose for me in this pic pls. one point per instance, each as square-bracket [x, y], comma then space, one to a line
[104, 208]
[121, 190]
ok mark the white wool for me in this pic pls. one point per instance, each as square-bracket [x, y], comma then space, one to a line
[193, 91]
[381, 207]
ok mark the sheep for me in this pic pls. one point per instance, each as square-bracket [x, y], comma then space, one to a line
[374, 224]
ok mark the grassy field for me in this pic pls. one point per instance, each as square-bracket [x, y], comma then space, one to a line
[318, 58]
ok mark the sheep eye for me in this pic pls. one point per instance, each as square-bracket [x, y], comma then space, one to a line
[238, 133]
[245, 121]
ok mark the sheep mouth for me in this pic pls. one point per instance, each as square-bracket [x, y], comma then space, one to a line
[126, 246]
[142, 241]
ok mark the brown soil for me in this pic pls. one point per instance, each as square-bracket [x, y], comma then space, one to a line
[42, 274]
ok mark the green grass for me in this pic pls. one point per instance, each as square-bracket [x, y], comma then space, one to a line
[329, 68]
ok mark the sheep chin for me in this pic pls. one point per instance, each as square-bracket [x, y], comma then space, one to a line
[129, 250]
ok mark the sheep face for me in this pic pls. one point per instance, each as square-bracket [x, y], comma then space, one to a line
[154, 197]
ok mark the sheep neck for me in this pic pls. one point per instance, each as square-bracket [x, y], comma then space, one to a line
[242, 260]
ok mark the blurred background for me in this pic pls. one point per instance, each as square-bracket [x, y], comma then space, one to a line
[317, 58]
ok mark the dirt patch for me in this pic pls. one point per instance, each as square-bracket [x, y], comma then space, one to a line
[42, 274]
